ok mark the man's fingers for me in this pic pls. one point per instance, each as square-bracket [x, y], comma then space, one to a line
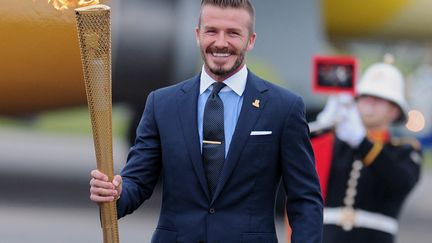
[101, 184]
[98, 175]
[103, 195]
[99, 199]
[103, 192]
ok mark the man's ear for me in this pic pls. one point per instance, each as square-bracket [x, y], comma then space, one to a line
[251, 43]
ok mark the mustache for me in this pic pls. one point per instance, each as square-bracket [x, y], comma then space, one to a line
[220, 50]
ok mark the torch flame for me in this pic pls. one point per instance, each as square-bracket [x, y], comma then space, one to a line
[67, 4]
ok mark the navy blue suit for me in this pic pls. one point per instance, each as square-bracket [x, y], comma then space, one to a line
[242, 208]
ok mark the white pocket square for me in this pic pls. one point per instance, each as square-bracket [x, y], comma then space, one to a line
[260, 133]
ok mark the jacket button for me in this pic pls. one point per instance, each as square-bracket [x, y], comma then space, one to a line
[212, 211]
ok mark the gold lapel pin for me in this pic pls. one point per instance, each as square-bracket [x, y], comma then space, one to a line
[256, 103]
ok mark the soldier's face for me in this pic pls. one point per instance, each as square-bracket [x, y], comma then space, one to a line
[376, 113]
[224, 38]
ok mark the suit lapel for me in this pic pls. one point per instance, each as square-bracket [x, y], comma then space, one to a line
[249, 114]
[187, 109]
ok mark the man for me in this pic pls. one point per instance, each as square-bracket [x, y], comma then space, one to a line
[224, 140]
[371, 173]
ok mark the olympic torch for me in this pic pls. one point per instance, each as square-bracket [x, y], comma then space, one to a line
[94, 34]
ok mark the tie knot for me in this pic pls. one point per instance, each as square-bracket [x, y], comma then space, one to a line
[217, 87]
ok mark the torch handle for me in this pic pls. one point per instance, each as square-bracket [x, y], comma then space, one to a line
[109, 223]
[102, 136]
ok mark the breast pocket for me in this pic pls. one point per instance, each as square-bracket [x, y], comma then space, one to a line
[265, 138]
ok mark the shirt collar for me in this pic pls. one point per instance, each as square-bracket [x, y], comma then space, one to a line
[236, 82]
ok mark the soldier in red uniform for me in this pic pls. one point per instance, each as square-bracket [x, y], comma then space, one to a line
[372, 172]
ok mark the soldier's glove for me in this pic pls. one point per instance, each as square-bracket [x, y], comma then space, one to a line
[350, 128]
[341, 111]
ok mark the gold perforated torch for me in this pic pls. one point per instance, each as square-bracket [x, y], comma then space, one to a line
[94, 33]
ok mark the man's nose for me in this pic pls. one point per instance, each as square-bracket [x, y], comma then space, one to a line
[221, 41]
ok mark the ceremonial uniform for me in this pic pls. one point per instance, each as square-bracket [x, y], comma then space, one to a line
[366, 189]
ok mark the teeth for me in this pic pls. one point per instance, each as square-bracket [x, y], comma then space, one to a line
[221, 54]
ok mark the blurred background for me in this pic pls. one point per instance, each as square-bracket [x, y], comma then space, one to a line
[46, 146]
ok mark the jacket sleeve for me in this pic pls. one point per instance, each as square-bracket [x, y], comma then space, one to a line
[143, 165]
[304, 201]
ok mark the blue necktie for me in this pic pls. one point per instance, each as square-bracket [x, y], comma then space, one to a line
[213, 147]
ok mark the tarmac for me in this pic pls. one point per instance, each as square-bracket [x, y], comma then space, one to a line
[45, 198]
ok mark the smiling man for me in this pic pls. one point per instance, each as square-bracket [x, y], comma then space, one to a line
[224, 36]
[225, 140]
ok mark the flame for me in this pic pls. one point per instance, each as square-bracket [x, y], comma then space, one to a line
[67, 4]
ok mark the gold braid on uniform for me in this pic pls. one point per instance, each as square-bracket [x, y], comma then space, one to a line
[373, 153]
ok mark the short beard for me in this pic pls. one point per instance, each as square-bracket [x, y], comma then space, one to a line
[219, 71]
[223, 73]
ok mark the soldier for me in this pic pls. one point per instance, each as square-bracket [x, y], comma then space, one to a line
[371, 173]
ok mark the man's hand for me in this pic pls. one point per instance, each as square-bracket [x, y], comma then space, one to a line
[102, 190]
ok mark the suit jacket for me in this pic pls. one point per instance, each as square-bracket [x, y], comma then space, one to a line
[242, 208]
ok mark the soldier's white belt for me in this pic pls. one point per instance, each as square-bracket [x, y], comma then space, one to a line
[349, 218]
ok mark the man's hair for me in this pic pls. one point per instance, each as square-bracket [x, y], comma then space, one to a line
[244, 4]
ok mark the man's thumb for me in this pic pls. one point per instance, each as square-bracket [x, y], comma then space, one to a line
[117, 180]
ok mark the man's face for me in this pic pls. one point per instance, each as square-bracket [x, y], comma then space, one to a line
[224, 38]
[377, 113]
